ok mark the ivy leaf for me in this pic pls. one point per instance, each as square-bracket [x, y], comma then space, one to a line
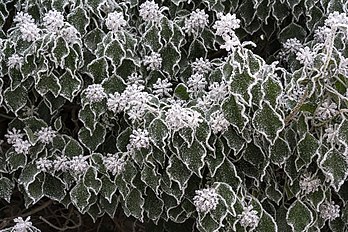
[80, 197]
[178, 171]
[268, 122]
[234, 140]
[73, 148]
[152, 38]
[79, 19]
[272, 89]
[88, 118]
[16, 99]
[158, 132]
[307, 149]
[48, 83]
[153, 205]
[193, 156]
[171, 55]
[241, 84]
[335, 166]
[6, 187]
[92, 142]
[149, 175]
[16, 161]
[234, 113]
[60, 51]
[114, 50]
[280, 151]
[28, 175]
[207, 224]
[293, 30]
[98, 69]
[70, 85]
[91, 180]
[343, 132]
[54, 188]
[267, 223]
[299, 216]
[134, 204]
[181, 91]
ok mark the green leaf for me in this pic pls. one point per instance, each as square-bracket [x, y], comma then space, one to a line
[115, 52]
[98, 69]
[178, 171]
[134, 204]
[73, 148]
[70, 85]
[280, 151]
[293, 30]
[16, 161]
[343, 132]
[16, 99]
[167, 30]
[109, 207]
[307, 148]
[334, 165]
[153, 205]
[268, 122]
[152, 38]
[80, 197]
[108, 188]
[79, 19]
[28, 175]
[267, 223]
[272, 89]
[193, 156]
[48, 83]
[35, 189]
[149, 175]
[54, 188]
[207, 224]
[93, 38]
[299, 216]
[234, 140]
[92, 142]
[241, 84]
[196, 50]
[158, 132]
[6, 187]
[60, 51]
[228, 195]
[91, 180]
[234, 113]
[181, 91]
[171, 55]
[88, 118]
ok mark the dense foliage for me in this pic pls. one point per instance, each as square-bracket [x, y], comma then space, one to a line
[183, 115]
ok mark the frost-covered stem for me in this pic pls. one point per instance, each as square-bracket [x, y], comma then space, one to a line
[296, 109]
[6, 116]
[330, 42]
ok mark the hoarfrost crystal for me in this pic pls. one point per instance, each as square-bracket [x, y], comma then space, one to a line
[153, 62]
[201, 66]
[21, 225]
[29, 31]
[61, 163]
[70, 34]
[13, 136]
[95, 93]
[53, 21]
[115, 21]
[149, 11]
[197, 21]
[206, 200]
[226, 24]
[329, 211]
[15, 61]
[196, 83]
[162, 88]
[23, 18]
[327, 110]
[22, 146]
[218, 122]
[305, 56]
[114, 163]
[139, 139]
[78, 164]
[46, 135]
[44, 165]
[249, 217]
[309, 184]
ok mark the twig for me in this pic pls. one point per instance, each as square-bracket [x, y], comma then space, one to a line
[296, 109]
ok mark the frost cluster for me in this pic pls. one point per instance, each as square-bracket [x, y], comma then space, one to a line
[206, 200]
[95, 93]
[218, 122]
[114, 163]
[139, 139]
[329, 211]
[149, 11]
[225, 27]
[178, 117]
[249, 217]
[201, 66]
[153, 61]
[15, 61]
[46, 135]
[309, 183]
[162, 88]
[53, 21]
[115, 22]
[196, 22]
[327, 110]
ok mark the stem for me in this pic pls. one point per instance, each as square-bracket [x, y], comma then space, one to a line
[296, 109]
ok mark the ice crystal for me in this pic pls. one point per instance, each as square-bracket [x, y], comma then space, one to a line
[206, 200]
